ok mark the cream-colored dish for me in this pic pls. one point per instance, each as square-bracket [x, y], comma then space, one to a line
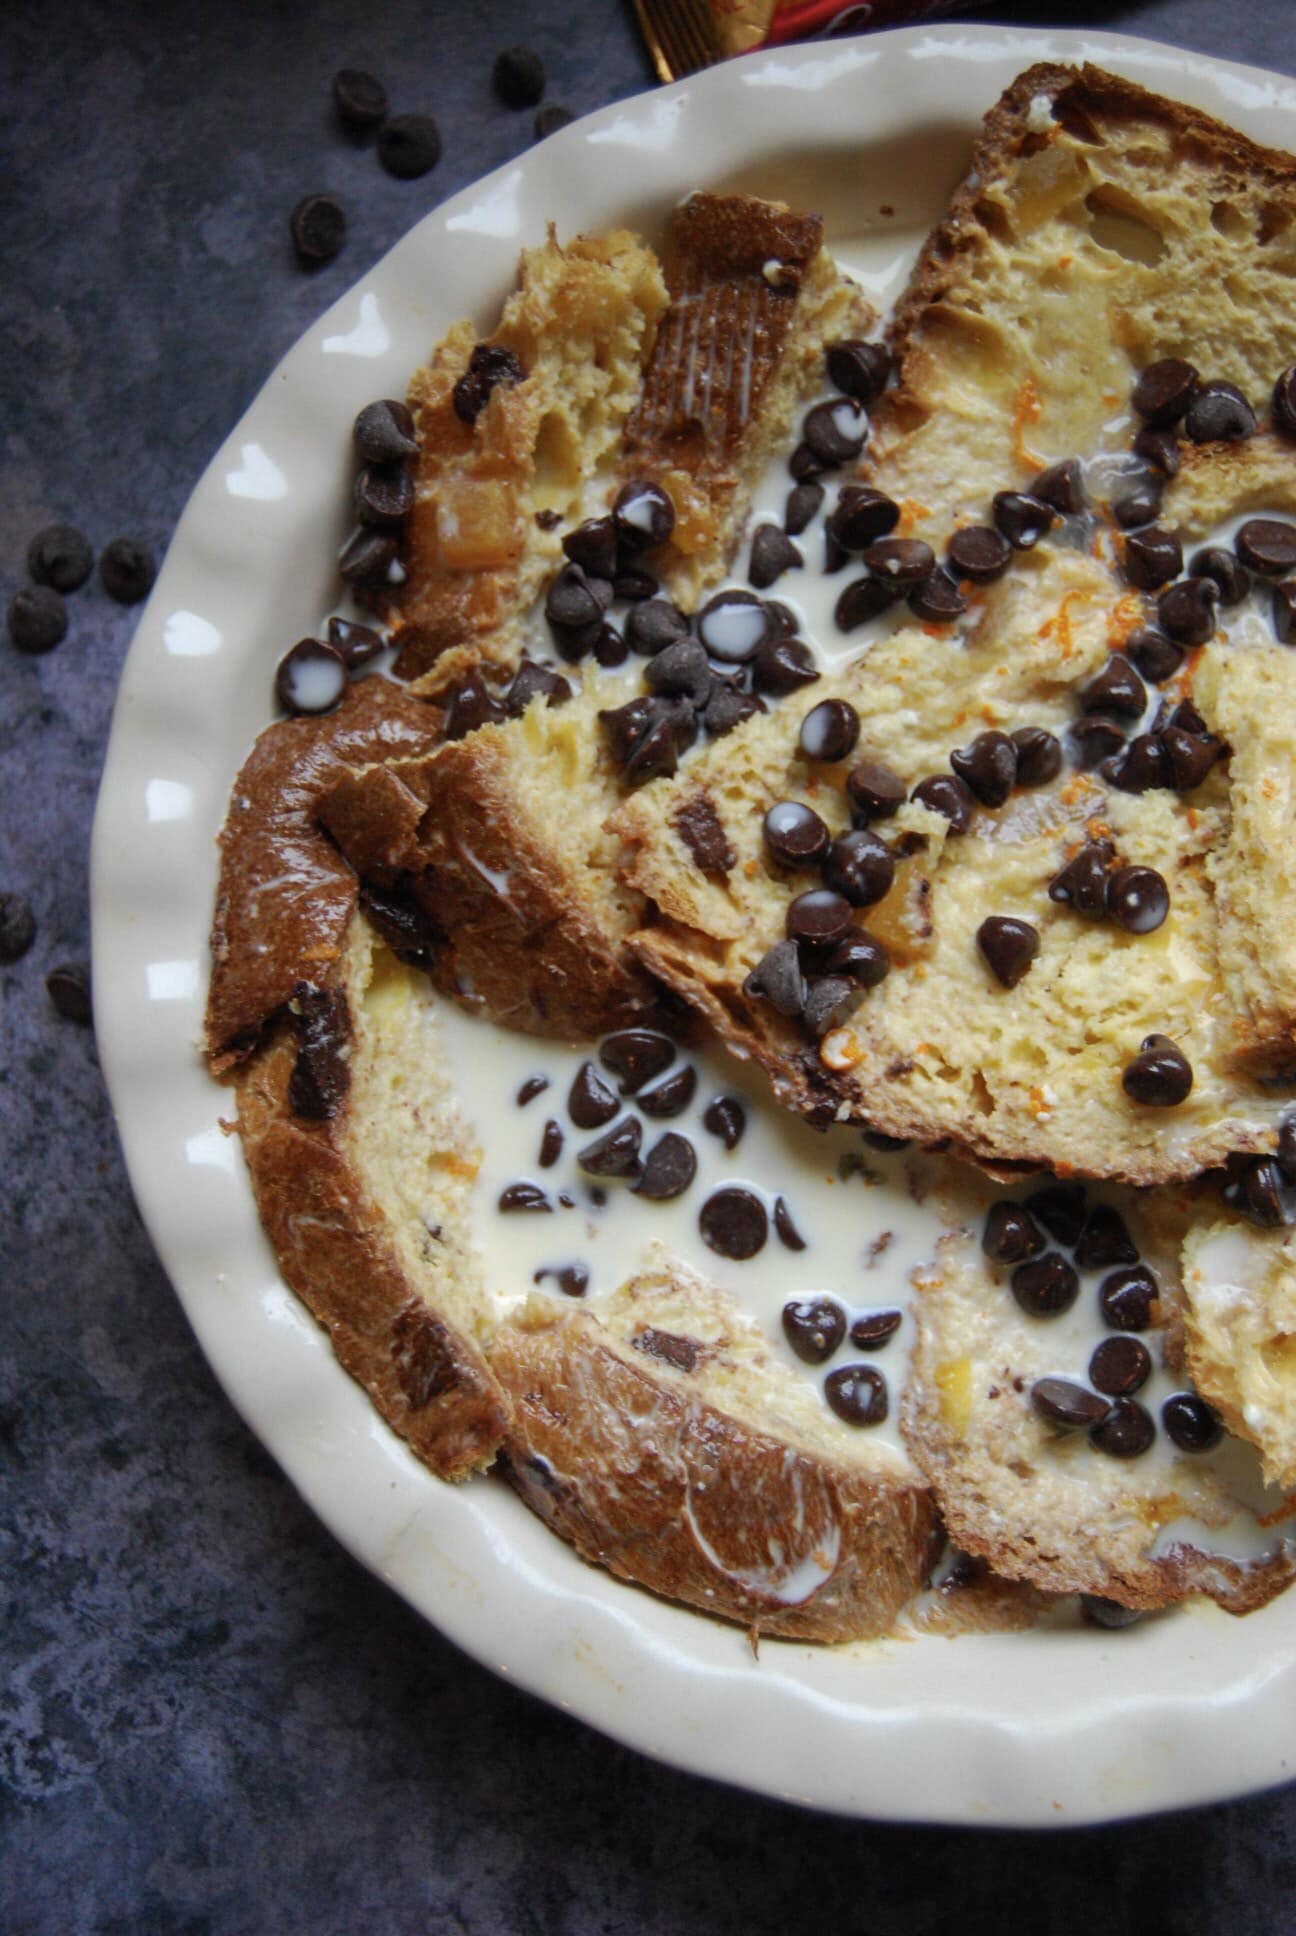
[1046, 1726]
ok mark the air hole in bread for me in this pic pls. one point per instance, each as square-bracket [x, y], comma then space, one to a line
[1118, 223]
[1227, 219]
[993, 218]
[557, 462]
[1078, 123]
[1275, 220]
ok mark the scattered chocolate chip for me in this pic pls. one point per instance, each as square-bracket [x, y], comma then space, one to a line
[37, 619]
[835, 432]
[1092, 740]
[318, 228]
[1117, 689]
[519, 77]
[574, 605]
[728, 707]
[633, 584]
[1159, 448]
[818, 918]
[803, 464]
[1190, 1423]
[1045, 1286]
[1138, 506]
[772, 553]
[857, 1394]
[593, 546]
[795, 835]
[803, 501]
[127, 570]
[636, 1055]
[1267, 546]
[311, 677]
[1127, 1298]
[1160, 1076]
[1021, 518]
[1283, 402]
[783, 665]
[1060, 1207]
[533, 1086]
[360, 100]
[860, 866]
[1190, 756]
[733, 624]
[489, 365]
[901, 563]
[1284, 612]
[572, 1279]
[68, 987]
[978, 552]
[1126, 1432]
[813, 1326]
[858, 368]
[1153, 557]
[863, 600]
[874, 791]
[726, 1118]
[409, 145]
[1010, 1234]
[654, 624]
[946, 794]
[938, 600]
[733, 1223]
[1141, 766]
[550, 118]
[1062, 486]
[1104, 1239]
[1219, 413]
[1156, 656]
[860, 957]
[1138, 899]
[383, 433]
[471, 705]
[1069, 1406]
[1120, 1366]
[533, 680]
[551, 1144]
[873, 1330]
[830, 1001]
[644, 515]
[590, 1102]
[1008, 947]
[1186, 611]
[401, 923]
[879, 1140]
[669, 1167]
[1039, 756]
[60, 556]
[366, 556]
[672, 1095]
[860, 516]
[1082, 884]
[523, 1196]
[669, 1347]
[1164, 391]
[17, 927]
[1110, 1615]
[616, 1152]
[1217, 563]
[1257, 1191]
[382, 494]
[788, 1234]
[829, 731]
[356, 644]
[988, 766]
[681, 670]
[1286, 1151]
[321, 1074]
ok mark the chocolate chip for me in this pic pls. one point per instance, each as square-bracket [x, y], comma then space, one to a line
[366, 556]
[1190, 1423]
[17, 927]
[1062, 486]
[471, 706]
[311, 678]
[803, 464]
[60, 556]
[590, 1102]
[783, 665]
[572, 1279]
[879, 1140]
[1141, 766]
[857, 1394]
[777, 977]
[1219, 413]
[525, 1197]
[772, 553]
[732, 625]
[1117, 689]
[127, 570]
[946, 794]
[860, 516]
[383, 433]
[988, 766]
[829, 731]
[818, 918]
[858, 368]
[680, 670]
[68, 987]
[1164, 391]
[1152, 558]
[1069, 1406]
[1267, 546]
[860, 866]
[402, 924]
[803, 501]
[1138, 899]
[728, 707]
[574, 602]
[1008, 947]
[1039, 756]
[644, 515]
[1120, 1366]
[1159, 448]
[1010, 1235]
[37, 619]
[863, 600]
[1127, 1298]
[835, 432]
[1190, 756]
[636, 1055]
[901, 563]
[1256, 1189]
[533, 1086]
[1082, 884]
[1139, 505]
[726, 1118]
[1126, 1432]
[830, 1001]
[1224, 571]
[357, 644]
[813, 1326]
[979, 553]
[1104, 1239]
[1283, 402]
[519, 77]
[672, 1095]
[938, 600]
[551, 1144]
[633, 584]
[1045, 1286]
[318, 228]
[1186, 611]
[733, 1223]
[1160, 1076]
[1156, 656]
[1286, 1152]
[1284, 612]
[321, 1074]
[1110, 1615]
[593, 546]
[860, 957]
[532, 681]
[874, 791]
[653, 625]
[382, 494]
[1021, 518]
[409, 145]
[795, 835]
[788, 1234]
[550, 118]
[1060, 1207]
[360, 100]
[873, 1330]
[669, 1167]
[616, 1152]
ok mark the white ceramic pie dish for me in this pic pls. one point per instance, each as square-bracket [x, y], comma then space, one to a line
[1037, 1728]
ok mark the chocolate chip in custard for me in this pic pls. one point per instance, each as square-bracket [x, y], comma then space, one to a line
[1092, 740]
[1225, 571]
[311, 678]
[860, 866]
[901, 563]
[643, 514]
[533, 680]
[1082, 884]
[1060, 1207]
[988, 766]
[783, 665]
[672, 1095]
[383, 432]
[1010, 1234]
[1153, 557]
[616, 1152]
[874, 792]
[802, 504]
[946, 794]
[785, 1227]
[861, 516]
[1157, 657]
[1022, 518]
[1120, 1366]
[533, 1086]
[1160, 1075]
[857, 1394]
[593, 546]
[1255, 1187]
[778, 979]
[680, 670]
[1045, 1286]
[1138, 899]
[1267, 546]
[358, 644]
[1104, 1239]
[863, 600]
[835, 432]
[382, 494]
[523, 1196]
[795, 835]
[652, 625]
[1190, 1423]
[1190, 756]
[572, 1279]
[1061, 486]
[1070, 1407]
[590, 1101]
[1008, 947]
[1164, 391]
[726, 1118]
[1127, 1432]
[472, 704]
[635, 1056]
[818, 918]
[874, 1330]
[1283, 402]
[1116, 689]
[366, 556]
[632, 583]
[829, 731]
[979, 552]
[1219, 413]
[1139, 505]
[551, 1144]
[1127, 1298]
[1160, 449]
[814, 1327]
[1109, 1615]
[938, 600]
[668, 1169]
[733, 624]
[858, 369]
[772, 553]
[1039, 756]
[1283, 610]
[734, 1222]
[1140, 767]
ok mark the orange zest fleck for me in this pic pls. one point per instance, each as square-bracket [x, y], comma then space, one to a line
[1026, 410]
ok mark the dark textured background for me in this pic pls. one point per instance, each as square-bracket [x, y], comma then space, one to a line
[211, 1720]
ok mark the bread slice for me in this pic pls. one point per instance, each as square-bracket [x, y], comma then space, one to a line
[660, 1436]
[1046, 1506]
[492, 495]
[1240, 1323]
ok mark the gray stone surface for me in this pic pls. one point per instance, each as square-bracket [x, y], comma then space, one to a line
[211, 1720]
